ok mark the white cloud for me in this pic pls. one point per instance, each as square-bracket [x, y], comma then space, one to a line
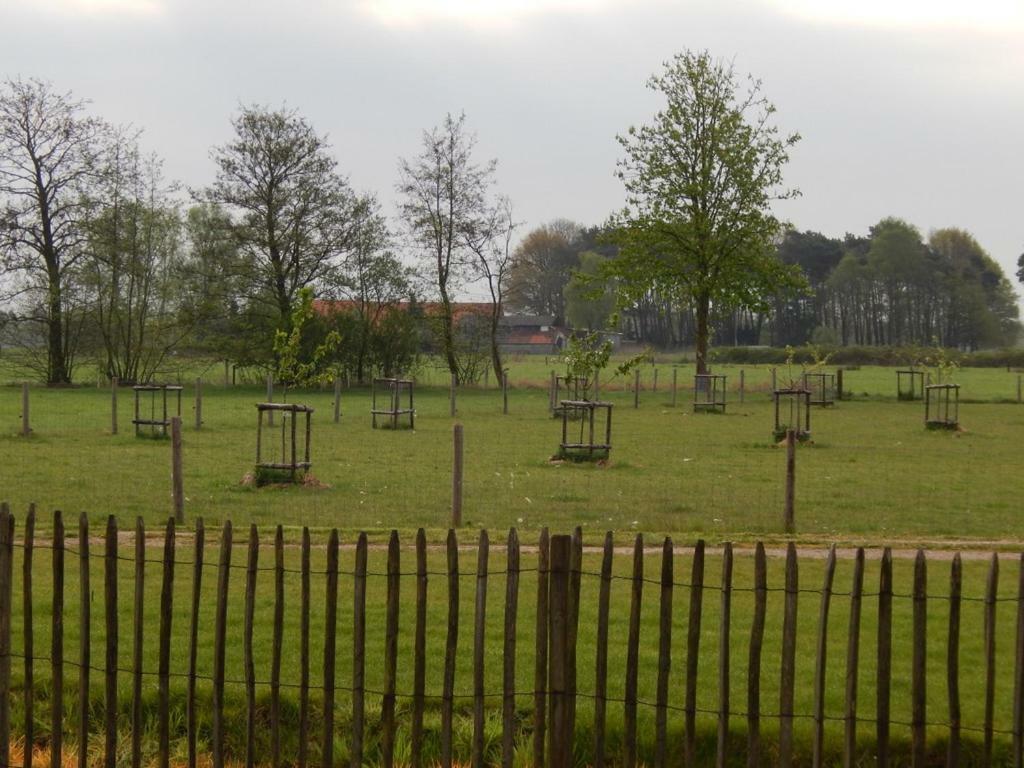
[976, 14]
[472, 12]
[101, 7]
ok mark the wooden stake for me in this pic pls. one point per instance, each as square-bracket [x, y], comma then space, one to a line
[337, 399]
[25, 428]
[199, 403]
[113, 406]
[177, 483]
[790, 515]
[504, 392]
[457, 477]
[743, 385]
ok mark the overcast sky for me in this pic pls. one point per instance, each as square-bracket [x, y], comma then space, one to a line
[909, 108]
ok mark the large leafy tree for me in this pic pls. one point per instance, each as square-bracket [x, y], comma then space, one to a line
[293, 215]
[700, 179]
[541, 267]
[48, 168]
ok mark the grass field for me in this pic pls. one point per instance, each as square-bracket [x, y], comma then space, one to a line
[872, 476]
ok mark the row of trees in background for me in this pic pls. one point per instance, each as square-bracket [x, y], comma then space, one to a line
[102, 259]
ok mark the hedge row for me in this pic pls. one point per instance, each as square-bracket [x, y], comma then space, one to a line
[990, 358]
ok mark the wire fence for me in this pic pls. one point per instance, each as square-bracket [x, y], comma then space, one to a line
[579, 657]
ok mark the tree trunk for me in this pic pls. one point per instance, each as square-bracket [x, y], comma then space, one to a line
[448, 333]
[495, 350]
[57, 372]
[703, 309]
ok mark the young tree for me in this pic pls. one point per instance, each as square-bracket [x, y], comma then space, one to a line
[444, 206]
[699, 183]
[292, 213]
[48, 151]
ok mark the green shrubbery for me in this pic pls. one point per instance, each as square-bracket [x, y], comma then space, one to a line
[805, 355]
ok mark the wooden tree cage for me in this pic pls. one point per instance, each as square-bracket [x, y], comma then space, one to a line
[158, 421]
[909, 384]
[792, 411]
[584, 443]
[822, 387]
[576, 390]
[709, 392]
[289, 440]
[942, 406]
[393, 393]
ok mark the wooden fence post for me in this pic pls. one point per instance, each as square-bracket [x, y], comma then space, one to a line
[358, 650]
[29, 635]
[597, 385]
[193, 641]
[199, 403]
[654, 383]
[601, 668]
[508, 703]
[57, 645]
[457, 443]
[6, 596]
[675, 384]
[110, 611]
[917, 669]
[26, 429]
[743, 385]
[387, 715]
[839, 384]
[450, 650]
[330, 647]
[113, 405]
[790, 512]
[164, 653]
[227, 375]
[552, 386]
[479, 628]
[693, 651]
[786, 689]
[337, 399]
[991, 593]
[664, 653]
[775, 380]
[820, 663]
[177, 482]
[724, 681]
[1018, 673]
[953, 662]
[85, 650]
[883, 683]
[219, 645]
[632, 655]
[853, 662]
[754, 664]
[540, 669]
[560, 739]
[419, 650]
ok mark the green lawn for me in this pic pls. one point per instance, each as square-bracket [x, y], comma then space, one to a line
[873, 473]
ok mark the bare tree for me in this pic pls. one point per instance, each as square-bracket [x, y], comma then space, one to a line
[444, 204]
[48, 151]
[491, 245]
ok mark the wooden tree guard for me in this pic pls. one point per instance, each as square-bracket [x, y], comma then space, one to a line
[788, 404]
[909, 384]
[576, 389]
[942, 406]
[157, 422]
[709, 392]
[289, 460]
[584, 447]
[392, 407]
[822, 387]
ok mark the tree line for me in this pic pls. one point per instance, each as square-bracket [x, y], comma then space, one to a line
[106, 261]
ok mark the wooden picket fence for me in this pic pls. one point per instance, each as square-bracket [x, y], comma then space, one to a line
[554, 695]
